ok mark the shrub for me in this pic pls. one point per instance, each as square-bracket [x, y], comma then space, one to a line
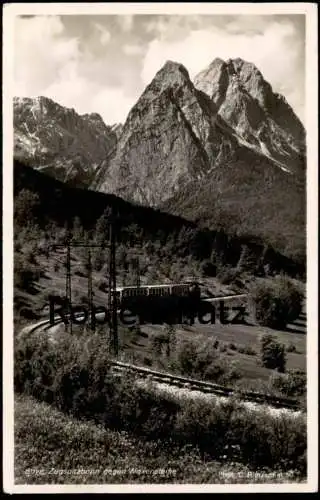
[98, 261]
[239, 283]
[247, 350]
[216, 344]
[26, 207]
[277, 304]
[291, 348]
[222, 430]
[232, 346]
[272, 353]
[25, 273]
[208, 269]
[202, 360]
[223, 347]
[222, 372]
[102, 285]
[293, 383]
[186, 356]
[158, 341]
[228, 275]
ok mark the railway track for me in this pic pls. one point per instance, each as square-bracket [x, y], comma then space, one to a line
[204, 387]
[178, 381]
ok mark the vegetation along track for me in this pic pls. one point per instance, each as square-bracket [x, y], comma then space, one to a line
[204, 387]
[183, 382]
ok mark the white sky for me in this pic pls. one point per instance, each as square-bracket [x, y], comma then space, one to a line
[102, 63]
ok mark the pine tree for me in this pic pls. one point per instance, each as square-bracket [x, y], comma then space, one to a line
[26, 206]
[102, 227]
[77, 230]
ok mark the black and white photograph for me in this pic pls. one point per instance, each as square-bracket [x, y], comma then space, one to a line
[160, 237]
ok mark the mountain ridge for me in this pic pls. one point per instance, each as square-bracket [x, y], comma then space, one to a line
[58, 140]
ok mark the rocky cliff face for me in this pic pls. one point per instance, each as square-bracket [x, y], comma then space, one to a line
[60, 142]
[160, 149]
[262, 118]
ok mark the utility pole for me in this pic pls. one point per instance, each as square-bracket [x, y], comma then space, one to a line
[112, 296]
[114, 342]
[68, 245]
[90, 291]
[138, 283]
[68, 286]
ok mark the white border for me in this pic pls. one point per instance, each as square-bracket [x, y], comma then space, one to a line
[310, 10]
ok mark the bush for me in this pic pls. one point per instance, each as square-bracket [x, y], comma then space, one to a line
[75, 375]
[208, 269]
[247, 350]
[291, 384]
[26, 207]
[103, 285]
[272, 353]
[228, 275]
[185, 357]
[232, 346]
[291, 348]
[277, 304]
[223, 430]
[203, 361]
[223, 347]
[25, 273]
[158, 341]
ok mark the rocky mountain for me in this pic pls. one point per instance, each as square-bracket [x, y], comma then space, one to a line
[263, 119]
[60, 142]
[222, 150]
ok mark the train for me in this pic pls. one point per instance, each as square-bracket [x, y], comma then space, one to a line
[160, 303]
[127, 293]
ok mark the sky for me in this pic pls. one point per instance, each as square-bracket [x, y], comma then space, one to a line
[102, 63]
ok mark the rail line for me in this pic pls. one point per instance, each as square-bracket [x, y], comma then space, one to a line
[205, 387]
[178, 381]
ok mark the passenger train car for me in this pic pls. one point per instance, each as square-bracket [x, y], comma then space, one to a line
[160, 303]
[124, 293]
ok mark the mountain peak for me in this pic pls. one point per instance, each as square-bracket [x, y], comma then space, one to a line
[173, 66]
[216, 62]
[246, 102]
[170, 78]
[172, 74]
